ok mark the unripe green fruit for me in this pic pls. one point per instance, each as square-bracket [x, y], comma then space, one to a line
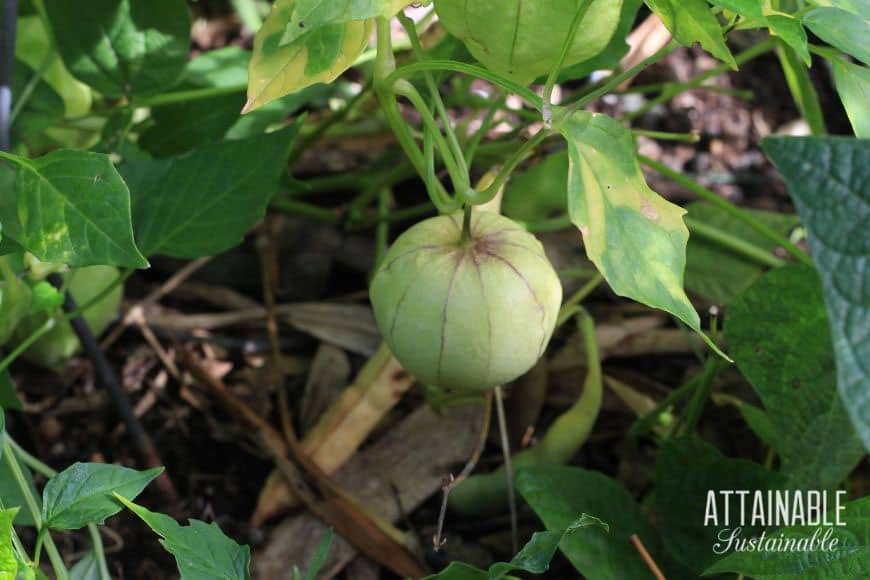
[523, 39]
[61, 342]
[466, 315]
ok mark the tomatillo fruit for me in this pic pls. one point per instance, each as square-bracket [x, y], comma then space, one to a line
[523, 40]
[466, 315]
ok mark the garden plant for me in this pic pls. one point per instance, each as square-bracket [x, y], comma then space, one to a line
[570, 353]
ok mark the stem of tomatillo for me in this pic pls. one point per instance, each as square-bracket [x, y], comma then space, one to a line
[465, 237]
[554, 74]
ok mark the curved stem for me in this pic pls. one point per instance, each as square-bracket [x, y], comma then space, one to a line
[554, 74]
[504, 173]
[479, 72]
[728, 207]
[33, 507]
[508, 466]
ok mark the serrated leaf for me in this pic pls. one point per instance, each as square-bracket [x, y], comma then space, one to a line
[687, 470]
[8, 561]
[304, 42]
[829, 180]
[203, 202]
[777, 332]
[558, 494]
[70, 207]
[841, 29]
[81, 494]
[122, 47]
[692, 21]
[716, 272]
[850, 559]
[636, 238]
[853, 86]
[201, 550]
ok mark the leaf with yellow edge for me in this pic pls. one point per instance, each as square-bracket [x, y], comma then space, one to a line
[636, 238]
[304, 42]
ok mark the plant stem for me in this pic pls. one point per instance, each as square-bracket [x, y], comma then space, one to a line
[728, 207]
[188, 95]
[569, 306]
[466, 225]
[554, 74]
[504, 173]
[508, 466]
[28, 89]
[30, 501]
[289, 205]
[25, 344]
[665, 136]
[738, 245]
[745, 56]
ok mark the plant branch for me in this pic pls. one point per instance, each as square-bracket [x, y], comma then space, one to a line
[554, 74]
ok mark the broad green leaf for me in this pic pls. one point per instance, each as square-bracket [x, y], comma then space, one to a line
[538, 193]
[829, 180]
[792, 32]
[122, 47]
[86, 569]
[687, 469]
[778, 334]
[304, 42]
[859, 7]
[853, 86]
[34, 47]
[71, 207]
[534, 557]
[201, 550]
[842, 30]
[203, 202]
[849, 560]
[180, 127]
[14, 300]
[692, 21]
[636, 238]
[81, 494]
[8, 395]
[559, 494]
[715, 271]
[8, 561]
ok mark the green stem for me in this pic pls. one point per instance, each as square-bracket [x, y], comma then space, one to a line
[689, 419]
[435, 95]
[554, 74]
[30, 501]
[466, 225]
[188, 95]
[38, 466]
[666, 136]
[25, 344]
[741, 58]
[477, 198]
[293, 206]
[27, 91]
[738, 245]
[728, 207]
[451, 65]
[570, 305]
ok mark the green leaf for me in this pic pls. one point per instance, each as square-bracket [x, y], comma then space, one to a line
[751, 9]
[692, 21]
[829, 180]
[8, 395]
[304, 42]
[853, 86]
[792, 32]
[849, 560]
[778, 334]
[122, 47]
[43, 108]
[203, 202]
[636, 238]
[180, 127]
[81, 494]
[201, 550]
[538, 193]
[687, 470]
[320, 555]
[534, 557]
[71, 207]
[842, 30]
[558, 494]
[8, 561]
[86, 569]
[713, 270]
